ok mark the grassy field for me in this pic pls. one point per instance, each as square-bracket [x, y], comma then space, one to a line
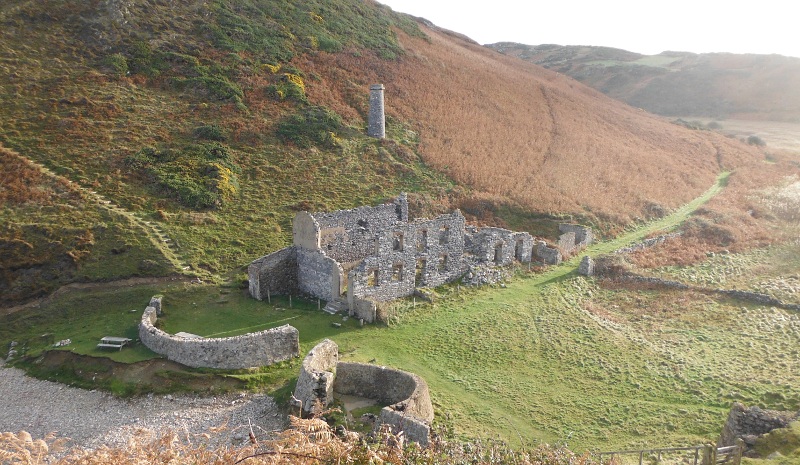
[547, 357]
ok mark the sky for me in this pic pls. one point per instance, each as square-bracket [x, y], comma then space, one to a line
[643, 26]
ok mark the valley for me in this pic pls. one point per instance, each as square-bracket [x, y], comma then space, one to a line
[153, 147]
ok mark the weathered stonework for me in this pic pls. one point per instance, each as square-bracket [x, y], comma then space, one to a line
[315, 383]
[409, 411]
[377, 118]
[546, 254]
[322, 276]
[586, 268]
[749, 424]
[376, 254]
[246, 351]
[499, 246]
[574, 238]
[274, 274]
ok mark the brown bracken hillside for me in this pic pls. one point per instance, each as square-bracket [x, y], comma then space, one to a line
[515, 131]
[203, 127]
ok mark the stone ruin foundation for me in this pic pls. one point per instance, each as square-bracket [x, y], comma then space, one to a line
[322, 376]
[748, 424]
[355, 259]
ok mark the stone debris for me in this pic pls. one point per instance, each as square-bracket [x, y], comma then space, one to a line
[92, 419]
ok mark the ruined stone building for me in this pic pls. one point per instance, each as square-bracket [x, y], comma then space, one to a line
[355, 258]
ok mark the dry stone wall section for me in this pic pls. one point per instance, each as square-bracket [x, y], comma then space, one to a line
[246, 351]
[274, 274]
[749, 424]
[409, 411]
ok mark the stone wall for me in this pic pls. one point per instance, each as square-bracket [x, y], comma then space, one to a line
[647, 243]
[498, 246]
[424, 253]
[315, 384]
[273, 274]
[574, 238]
[409, 411]
[750, 423]
[246, 351]
[546, 254]
[319, 275]
[438, 249]
[362, 309]
[350, 235]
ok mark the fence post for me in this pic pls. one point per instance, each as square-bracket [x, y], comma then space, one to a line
[737, 458]
[707, 454]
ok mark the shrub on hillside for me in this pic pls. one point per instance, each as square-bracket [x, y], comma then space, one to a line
[210, 132]
[312, 126]
[199, 176]
[757, 141]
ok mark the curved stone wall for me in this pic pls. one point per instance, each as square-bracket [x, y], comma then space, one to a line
[246, 351]
[409, 411]
[315, 382]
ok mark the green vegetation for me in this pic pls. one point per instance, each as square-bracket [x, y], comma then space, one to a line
[200, 176]
[547, 357]
[782, 445]
[312, 126]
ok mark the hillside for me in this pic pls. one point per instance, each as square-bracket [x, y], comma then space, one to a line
[185, 135]
[713, 85]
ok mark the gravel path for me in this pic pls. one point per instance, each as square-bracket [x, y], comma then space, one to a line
[92, 418]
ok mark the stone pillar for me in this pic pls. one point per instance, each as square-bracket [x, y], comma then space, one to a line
[377, 119]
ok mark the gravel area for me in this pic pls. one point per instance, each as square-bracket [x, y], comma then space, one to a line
[93, 418]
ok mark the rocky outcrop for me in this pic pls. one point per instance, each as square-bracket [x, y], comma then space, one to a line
[749, 424]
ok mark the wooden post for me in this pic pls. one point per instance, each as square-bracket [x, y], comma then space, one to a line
[641, 457]
[737, 458]
[707, 454]
[269, 299]
[319, 305]
[696, 454]
[290, 300]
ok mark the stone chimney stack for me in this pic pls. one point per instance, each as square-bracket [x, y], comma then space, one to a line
[377, 119]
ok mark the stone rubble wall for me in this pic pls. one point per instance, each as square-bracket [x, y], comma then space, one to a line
[546, 254]
[749, 424]
[350, 235]
[574, 238]
[410, 410]
[498, 246]
[315, 383]
[647, 243]
[274, 274]
[246, 351]
[319, 275]
[425, 253]
[363, 309]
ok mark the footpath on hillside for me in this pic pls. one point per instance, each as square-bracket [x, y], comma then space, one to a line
[665, 224]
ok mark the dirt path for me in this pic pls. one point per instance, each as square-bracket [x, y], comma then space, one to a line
[130, 282]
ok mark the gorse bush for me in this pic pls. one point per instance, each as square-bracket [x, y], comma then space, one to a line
[199, 176]
[209, 132]
[312, 126]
